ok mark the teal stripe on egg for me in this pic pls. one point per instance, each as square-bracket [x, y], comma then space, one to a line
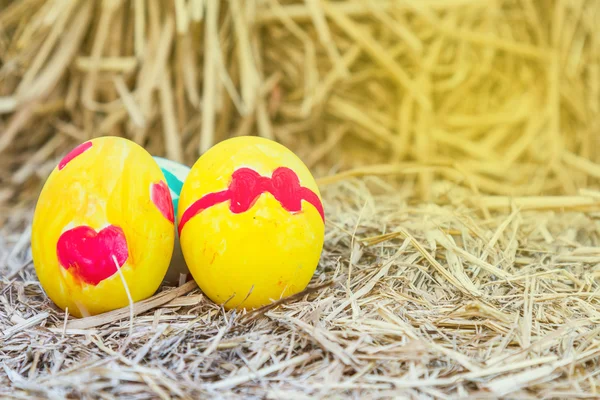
[175, 174]
[174, 183]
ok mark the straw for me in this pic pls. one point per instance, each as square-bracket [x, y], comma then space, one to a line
[422, 294]
[454, 143]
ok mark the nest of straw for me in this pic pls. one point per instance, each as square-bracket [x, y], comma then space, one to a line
[455, 144]
[421, 301]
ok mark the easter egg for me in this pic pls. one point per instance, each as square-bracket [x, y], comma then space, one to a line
[175, 174]
[103, 224]
[251, 222]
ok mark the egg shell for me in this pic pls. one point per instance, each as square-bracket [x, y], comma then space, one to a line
[251, 222]
[107, 201]
[175, 174]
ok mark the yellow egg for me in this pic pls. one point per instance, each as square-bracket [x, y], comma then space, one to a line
[251, 222]
[104, 214]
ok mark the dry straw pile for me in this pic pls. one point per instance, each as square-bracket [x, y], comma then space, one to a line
[450, 280]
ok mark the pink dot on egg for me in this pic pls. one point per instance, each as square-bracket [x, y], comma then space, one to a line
[74, 153]
[161, 197]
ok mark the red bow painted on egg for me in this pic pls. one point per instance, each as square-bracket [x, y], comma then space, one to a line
[247, 185]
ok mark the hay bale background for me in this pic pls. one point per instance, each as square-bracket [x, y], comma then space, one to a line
[450, 280]
[507, 92]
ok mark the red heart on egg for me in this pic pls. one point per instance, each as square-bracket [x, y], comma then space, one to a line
[88, 254]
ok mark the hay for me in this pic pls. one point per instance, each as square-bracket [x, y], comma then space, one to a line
[455, 144]
[409, 299]
[505, 91]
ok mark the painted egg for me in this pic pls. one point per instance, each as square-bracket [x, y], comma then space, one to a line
[175, 174]
[251, 222]
[103, 224]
